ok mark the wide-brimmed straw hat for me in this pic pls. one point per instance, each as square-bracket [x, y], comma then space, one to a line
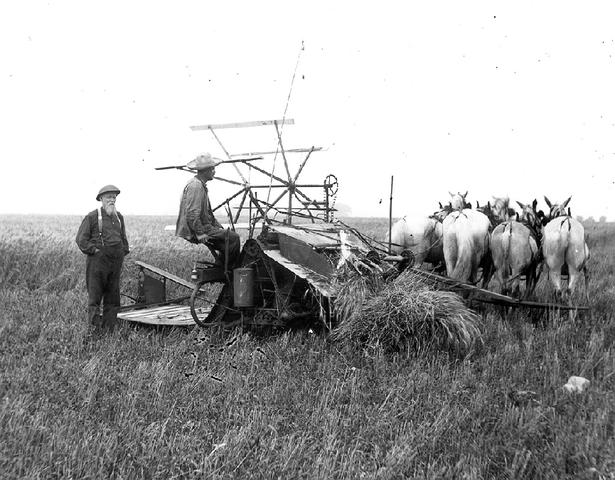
[203, 161]
[107, 189]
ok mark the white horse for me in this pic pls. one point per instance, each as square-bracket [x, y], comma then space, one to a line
[422, 236]
[515, 250]
[565, 250]
[466, 245]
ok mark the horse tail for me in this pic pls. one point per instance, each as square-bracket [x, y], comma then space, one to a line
[565, 236]
[508, 240]
[450, 251]
[464, 266]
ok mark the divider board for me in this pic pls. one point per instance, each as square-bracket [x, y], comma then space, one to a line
[165, 274]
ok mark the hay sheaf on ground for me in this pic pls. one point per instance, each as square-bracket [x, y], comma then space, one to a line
[404, 313]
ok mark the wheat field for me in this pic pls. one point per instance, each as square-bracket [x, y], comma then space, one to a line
[188, 403]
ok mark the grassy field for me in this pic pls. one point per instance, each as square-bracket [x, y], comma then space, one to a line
[178, 403]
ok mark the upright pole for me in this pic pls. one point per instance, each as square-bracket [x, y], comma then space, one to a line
[390, 214]
[291, 189]
[326, 201]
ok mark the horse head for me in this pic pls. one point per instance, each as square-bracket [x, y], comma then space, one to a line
[487, 210]
[532, 219]
[530, 216]
[458, 201]
[557, 210]
[501, 210]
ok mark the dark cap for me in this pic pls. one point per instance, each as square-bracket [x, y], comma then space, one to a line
[107, 189]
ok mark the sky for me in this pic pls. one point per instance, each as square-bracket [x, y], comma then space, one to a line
[495, 98]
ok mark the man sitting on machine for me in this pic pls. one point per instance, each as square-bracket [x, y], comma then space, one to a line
[196, 222]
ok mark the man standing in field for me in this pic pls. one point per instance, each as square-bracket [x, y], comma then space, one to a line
[102, 237]
[196, 222]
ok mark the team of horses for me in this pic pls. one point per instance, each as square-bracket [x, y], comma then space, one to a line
[498, 241]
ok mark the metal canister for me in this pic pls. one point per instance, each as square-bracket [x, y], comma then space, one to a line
[243, 287]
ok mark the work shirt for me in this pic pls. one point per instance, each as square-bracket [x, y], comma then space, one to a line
[195, 214]
[113, 233]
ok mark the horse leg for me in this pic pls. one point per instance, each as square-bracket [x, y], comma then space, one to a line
[556, 280]
[531, 280]
[573, 277]
[516, 292]
[420, 258]
[528, 284]
[504, 286]
[572, 312]
[488, 268]
[586, 276]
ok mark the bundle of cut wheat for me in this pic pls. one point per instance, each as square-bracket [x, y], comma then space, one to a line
[354, 289]
[405, 313]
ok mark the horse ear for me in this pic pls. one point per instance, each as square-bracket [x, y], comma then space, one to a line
[534, 203]
[477, 205]
[548, 202]
[565, 204]
[465, 194]
[451, 194]
[441, 207]
[520, 204]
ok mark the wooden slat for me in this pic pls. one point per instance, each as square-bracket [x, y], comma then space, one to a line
[165, 274]
[171, 315]
[163, 310]
[313, 238]
[272, 152]
[257, 123]
[322, 283]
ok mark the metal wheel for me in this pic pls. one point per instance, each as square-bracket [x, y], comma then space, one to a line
[197, 309]
[204, 310]
[331, 184]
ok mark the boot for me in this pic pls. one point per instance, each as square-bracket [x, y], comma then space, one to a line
[94, 318]
[109, 318]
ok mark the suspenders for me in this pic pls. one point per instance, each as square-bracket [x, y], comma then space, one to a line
[102, 242]
[100, 226]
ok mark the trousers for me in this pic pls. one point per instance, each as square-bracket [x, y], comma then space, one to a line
[218, 238]
[102, 280]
